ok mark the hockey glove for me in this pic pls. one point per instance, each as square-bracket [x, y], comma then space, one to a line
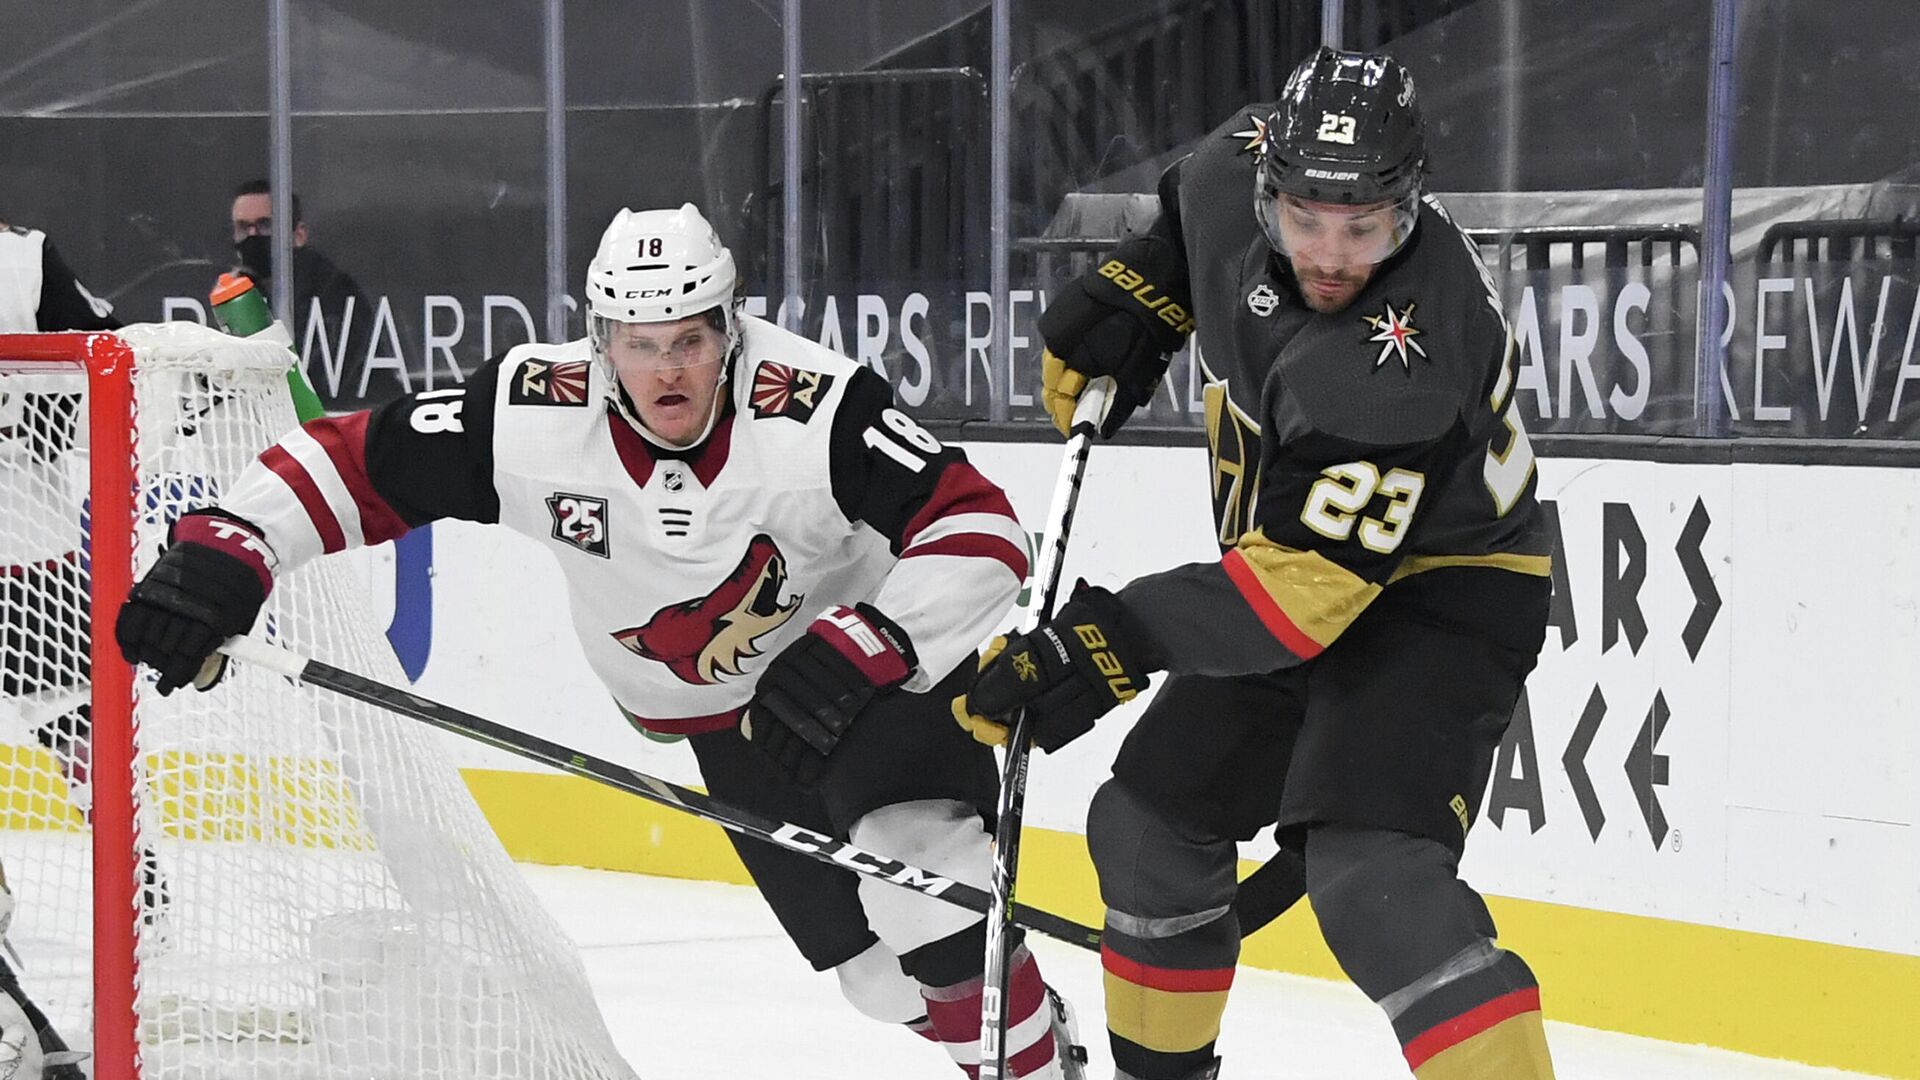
[1124, 319]
[811, 693]
[207, 586]
[1067, 674]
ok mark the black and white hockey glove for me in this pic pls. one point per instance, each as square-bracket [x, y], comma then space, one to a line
[207, 586]
[1070, 672]
[1123, 320]
[812, 692]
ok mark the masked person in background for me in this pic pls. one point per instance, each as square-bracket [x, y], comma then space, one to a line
[335, 350]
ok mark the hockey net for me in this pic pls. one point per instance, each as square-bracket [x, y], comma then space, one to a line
[300, 885]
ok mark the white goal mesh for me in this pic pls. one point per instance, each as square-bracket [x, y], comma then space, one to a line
[314, 891]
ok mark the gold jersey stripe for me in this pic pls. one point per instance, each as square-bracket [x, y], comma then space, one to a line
[1531, 565]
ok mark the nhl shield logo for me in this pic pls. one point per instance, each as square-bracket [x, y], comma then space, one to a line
[1263, 301]
[779, 390]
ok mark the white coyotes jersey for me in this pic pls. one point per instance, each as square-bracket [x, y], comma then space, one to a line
[686, 576]
[686, 571]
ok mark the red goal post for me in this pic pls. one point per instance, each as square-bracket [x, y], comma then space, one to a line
[278, 881]
[107, 362]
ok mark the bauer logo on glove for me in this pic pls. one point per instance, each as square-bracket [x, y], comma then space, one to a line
[1136, 285]
[1122, 321]
[1067, 673]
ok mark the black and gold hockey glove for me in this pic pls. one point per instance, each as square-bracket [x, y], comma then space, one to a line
[1068, 673]
[1124, 320]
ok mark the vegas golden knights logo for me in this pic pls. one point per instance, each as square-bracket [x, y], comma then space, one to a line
[705, 640]
[1233, 446]
[779, 390]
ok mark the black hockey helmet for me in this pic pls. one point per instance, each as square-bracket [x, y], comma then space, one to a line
[1348, 131]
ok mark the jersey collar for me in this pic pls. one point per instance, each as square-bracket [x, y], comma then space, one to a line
[638, 455]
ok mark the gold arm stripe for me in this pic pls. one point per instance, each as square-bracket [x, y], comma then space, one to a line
[1318, 596]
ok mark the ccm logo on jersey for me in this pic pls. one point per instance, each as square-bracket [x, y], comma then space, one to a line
[548, 382]
[706, 639]
[580, 520]
[779, 390]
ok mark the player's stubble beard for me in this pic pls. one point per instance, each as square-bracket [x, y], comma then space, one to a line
[1330, 291]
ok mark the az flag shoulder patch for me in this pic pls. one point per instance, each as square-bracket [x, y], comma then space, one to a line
[549, 382]
[781, 390]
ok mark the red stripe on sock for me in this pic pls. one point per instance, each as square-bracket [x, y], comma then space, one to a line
[1177, 980]
[1451, 1033]
[957, 1020]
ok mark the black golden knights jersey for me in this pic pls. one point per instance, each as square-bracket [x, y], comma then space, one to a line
[1349, 451]
[686, 572]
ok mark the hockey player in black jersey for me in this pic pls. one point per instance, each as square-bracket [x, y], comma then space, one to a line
[761, 553]
[1347, 668]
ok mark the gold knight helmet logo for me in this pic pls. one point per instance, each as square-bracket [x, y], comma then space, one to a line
[705, 640]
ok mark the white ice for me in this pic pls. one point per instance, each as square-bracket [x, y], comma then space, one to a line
[697, 983]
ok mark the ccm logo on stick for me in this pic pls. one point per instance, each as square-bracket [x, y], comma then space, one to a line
[866, 862]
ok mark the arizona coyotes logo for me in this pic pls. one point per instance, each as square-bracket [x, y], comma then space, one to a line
[705, 639]
[779, 390]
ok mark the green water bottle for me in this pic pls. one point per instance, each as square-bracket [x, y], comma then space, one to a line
[242, 312]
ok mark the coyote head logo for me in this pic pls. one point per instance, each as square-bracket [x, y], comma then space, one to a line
[705, 639]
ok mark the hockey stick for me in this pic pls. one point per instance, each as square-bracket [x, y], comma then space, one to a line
[1013, 776]
[814, 845]
[1270, 891]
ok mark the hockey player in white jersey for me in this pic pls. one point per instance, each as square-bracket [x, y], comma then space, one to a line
[761, 553]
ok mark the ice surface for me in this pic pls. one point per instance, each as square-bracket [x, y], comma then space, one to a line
[697, 983]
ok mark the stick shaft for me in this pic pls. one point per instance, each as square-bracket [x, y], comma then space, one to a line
[1013, 778]
[814, 845]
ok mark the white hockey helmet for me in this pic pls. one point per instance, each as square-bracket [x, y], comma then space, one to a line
[660, 266]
